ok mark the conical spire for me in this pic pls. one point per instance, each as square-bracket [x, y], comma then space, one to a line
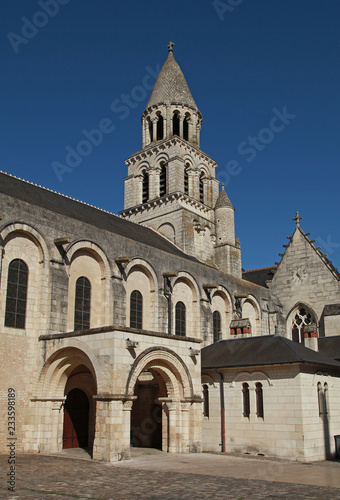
[223, 200]
[171, 86]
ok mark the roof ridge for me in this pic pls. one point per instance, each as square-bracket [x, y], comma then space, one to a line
[260, 269]
[60, 194]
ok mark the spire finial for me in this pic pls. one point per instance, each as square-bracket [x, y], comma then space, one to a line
[222, 186]
[171, 44]
[297, 219]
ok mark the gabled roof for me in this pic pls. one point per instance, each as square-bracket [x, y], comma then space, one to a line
[259, 276]
[69, 207]
[317, 250]
[256, 351]
[171, 86]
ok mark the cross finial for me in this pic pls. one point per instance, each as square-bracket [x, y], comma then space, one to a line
[297, 219]
[171, 44]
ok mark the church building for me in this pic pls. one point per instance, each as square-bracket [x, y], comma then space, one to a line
[143, 330]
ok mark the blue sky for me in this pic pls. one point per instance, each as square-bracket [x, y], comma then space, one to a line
[245, 62]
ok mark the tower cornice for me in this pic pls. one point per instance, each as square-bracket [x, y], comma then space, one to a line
[160, 146]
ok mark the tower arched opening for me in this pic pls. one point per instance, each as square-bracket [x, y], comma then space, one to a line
[160, 127]
[175, 123]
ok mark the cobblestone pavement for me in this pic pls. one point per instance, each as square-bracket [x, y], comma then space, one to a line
[53, 477]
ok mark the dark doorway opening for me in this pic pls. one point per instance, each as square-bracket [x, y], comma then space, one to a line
[146, 415]
[76, 420]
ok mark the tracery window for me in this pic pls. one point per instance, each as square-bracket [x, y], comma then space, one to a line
[180, 320]
[246, 399]
[217, 326]
[82, 304]
[16, 299]
[302, 318]
[259, 399]
[136, 310]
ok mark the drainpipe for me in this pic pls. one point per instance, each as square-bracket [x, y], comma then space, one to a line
[222, 410]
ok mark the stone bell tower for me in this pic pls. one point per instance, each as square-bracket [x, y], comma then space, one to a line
[171, 184]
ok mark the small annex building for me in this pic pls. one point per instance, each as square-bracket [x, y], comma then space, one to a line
[142, 329]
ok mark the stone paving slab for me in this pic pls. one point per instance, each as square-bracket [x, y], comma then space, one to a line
[60, 477]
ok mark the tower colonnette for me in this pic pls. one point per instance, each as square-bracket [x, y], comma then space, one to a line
[171, 184]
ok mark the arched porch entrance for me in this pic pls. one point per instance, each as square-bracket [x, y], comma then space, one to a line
[163, 415]
[66, 402]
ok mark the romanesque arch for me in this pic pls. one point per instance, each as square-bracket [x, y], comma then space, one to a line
[140, 276]
[87, 260]
[162, 389]
[69, 371]
[24, 242]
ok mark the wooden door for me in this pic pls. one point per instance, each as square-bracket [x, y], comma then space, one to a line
[76, 420]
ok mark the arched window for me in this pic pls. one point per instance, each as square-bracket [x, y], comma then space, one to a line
[162, 181]
[325, 396]
[217, 326]
[201, 188]
[302, 318]
[246, 400]
[186, 181]
[160, 128]
[205, 400]
[180, 325]
[259, 399]
[16, 298]
[185, 129]
[150, 129]
[320, 398]
[82, 304]
[145, 187]
[136, 310]
[175, 124]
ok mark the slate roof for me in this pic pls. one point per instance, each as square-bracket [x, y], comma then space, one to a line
[259, 276]
[171, 86]
[330, 346]
[331, 310]
[266, 350]
[69, 207]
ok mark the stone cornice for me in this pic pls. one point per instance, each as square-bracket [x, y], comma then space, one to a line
[115, 328]
[160, 146]
[165, 199]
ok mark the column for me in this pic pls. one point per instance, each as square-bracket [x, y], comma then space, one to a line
[168, 130]
[108, 442]
[154, 181]
[172, 408]
[138, 189]
[185, 437]
[127, 407]
[154, 128]
[180, 125]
